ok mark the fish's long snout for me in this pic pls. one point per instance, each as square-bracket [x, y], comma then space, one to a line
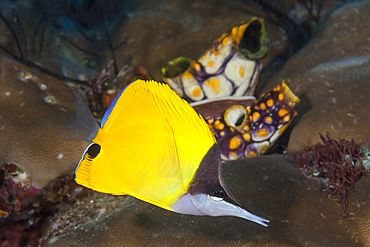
[243, 213]
[234, 208]
[206, 205]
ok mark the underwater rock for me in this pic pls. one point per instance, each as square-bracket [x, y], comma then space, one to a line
[331, 76]
[32, 215]
[270, 186]
[34, 107]
[76, 205]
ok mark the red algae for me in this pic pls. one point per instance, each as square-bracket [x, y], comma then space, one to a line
[29, 215]
[21, 219]
[340, 163]
[15, 189]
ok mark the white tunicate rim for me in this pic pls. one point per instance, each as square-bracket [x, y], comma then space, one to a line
[234, 114]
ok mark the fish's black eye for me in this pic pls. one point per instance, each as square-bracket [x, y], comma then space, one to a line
[93, 150]
[217, 193]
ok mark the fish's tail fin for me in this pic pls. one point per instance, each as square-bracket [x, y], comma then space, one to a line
[83, 126]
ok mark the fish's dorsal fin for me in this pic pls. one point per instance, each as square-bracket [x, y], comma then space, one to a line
[83, 126]
[111, 106]
[151, 146]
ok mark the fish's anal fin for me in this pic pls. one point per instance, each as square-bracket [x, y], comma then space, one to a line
[83, 126]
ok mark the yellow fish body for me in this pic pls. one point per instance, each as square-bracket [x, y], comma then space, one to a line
[152, 145]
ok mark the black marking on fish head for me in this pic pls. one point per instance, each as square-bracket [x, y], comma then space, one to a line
[209, 195]
[209, 179]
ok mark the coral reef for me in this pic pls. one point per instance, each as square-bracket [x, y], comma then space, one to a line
[30, 215]
[339, 163]
[23, 209]
[330, 75]
[76, 205]
[15, 189]
[33, 111]
[270, 185]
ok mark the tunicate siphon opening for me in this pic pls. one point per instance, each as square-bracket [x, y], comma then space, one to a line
[255, 41]
[176, 67]
[235, 116]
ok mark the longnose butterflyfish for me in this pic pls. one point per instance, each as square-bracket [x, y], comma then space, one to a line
[152, 145]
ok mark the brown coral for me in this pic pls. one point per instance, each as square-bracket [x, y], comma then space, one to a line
[34, 108]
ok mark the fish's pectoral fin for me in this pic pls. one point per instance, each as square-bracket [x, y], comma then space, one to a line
[83, 170]
[83, 126]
